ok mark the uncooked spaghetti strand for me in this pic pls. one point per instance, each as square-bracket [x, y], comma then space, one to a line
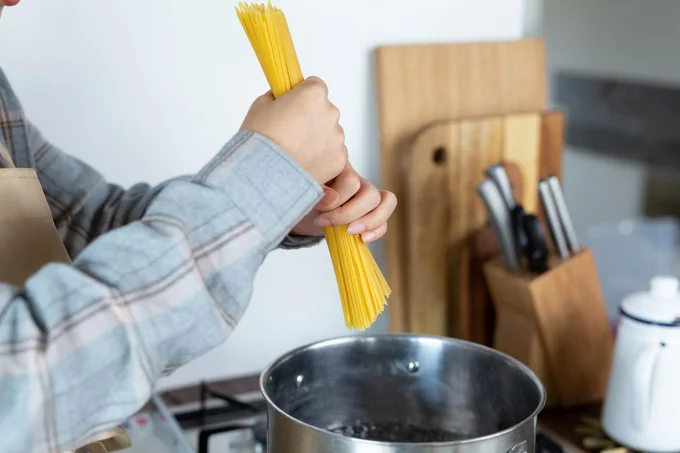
[361, 285]
[351, 282]
[334, 252]
[373, 294]
[385, 287]
[277, 53]
[359, 309]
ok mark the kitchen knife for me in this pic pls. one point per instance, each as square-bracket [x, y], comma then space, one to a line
[554, 223]
[530, 239]
[563, 212]
[536, 250]
[499, 176]
[497, 210]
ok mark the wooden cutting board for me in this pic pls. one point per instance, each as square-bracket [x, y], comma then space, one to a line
[428, 191]
[448, 238]
[552, 144]
[522, 140]
[418, 85]
[552, 148]
[481, 145]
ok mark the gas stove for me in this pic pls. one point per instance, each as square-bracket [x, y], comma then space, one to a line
[220, 423]
[226, 424]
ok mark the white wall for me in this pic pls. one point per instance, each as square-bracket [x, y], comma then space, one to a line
[624, 38]
[150, 89]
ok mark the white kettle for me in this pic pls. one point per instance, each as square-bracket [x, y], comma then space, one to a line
[642, 407]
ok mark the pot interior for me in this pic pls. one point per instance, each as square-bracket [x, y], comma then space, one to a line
[403, 388]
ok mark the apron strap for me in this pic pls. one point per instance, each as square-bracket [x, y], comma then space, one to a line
[6, 157]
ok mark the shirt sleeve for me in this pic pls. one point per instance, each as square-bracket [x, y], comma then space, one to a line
[82, 345]
[84, 205]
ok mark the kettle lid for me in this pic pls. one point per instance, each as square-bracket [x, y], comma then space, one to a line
[659, 306]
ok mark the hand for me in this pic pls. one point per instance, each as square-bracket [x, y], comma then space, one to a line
[304, 124]
[351, 200]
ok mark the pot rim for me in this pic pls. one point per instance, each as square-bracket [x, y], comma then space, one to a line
[351, 338]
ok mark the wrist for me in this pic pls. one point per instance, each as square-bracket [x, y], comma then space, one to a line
[274, 143]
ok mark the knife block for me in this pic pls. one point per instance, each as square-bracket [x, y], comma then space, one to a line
[556, 323]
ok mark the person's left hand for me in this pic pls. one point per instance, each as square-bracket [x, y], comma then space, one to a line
[353, 201]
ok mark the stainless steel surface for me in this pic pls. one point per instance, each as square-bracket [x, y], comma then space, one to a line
[501, 221]
[563, 212]
[554, 223]
[499, 176]
[472, 398]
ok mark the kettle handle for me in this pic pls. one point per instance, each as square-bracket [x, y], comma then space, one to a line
[642, 375]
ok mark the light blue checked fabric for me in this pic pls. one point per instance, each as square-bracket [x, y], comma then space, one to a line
[160, 275]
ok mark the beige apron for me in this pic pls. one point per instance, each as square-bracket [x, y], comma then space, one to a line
[28, 241]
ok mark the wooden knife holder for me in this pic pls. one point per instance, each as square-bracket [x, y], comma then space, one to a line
[556, 323]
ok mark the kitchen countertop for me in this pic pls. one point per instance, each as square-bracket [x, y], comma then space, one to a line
[561, 424]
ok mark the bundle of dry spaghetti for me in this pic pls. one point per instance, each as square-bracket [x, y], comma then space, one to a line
[363, 289]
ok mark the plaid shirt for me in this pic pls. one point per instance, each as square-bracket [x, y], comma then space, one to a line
[160, 275]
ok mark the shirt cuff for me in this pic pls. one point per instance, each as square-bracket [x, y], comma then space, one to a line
[271, 190]
[294, 241]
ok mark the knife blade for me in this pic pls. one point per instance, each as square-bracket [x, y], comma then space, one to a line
[497, 210]
[499, 176]
[554, 223]
[563, 212]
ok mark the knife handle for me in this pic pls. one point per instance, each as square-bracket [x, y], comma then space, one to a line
[499, 214]
[537, 251]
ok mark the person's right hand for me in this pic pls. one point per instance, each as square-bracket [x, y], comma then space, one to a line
[304, 124]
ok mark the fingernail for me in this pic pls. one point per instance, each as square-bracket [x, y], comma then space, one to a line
[368, 237]
[322, 222]
[356, 228]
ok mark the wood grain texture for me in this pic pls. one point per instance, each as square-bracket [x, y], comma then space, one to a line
[444, 167]
[481, 145]
[552, 144]
[418, 85]
[428, 211]
[557, 324]
[516, 332]
[469, 147]
[550, 158]
[572, 319]
[522, 141]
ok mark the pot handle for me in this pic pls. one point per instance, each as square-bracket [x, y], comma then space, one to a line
[643, 373]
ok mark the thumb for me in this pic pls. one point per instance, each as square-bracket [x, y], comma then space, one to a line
[329, 199]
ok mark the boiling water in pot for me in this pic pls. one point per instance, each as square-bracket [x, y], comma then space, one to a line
[395, 432]
[386, 410]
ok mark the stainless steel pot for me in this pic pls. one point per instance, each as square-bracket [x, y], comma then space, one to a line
[400, 393]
